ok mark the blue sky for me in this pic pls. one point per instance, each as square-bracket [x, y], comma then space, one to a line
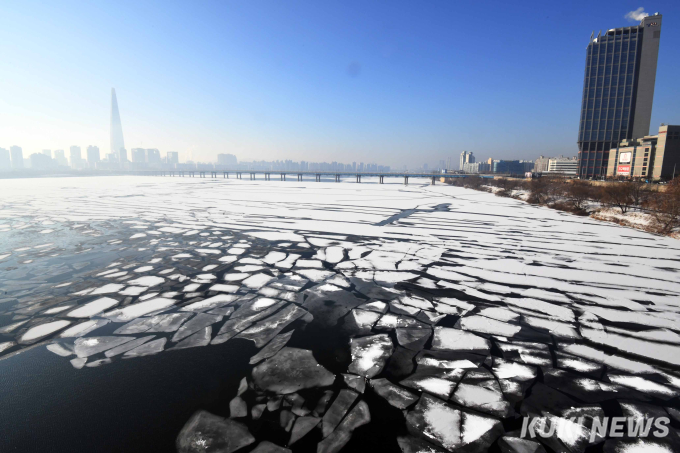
[398, 83]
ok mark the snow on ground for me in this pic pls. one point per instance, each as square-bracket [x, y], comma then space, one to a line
[447, 300]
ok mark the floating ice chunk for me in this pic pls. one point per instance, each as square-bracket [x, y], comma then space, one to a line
[92, 308]
[288, 262]
[644, 385]
[78, 363]
[413, 339]
[200, 338]
[60, 348]
[395, 395]
[257, 281]
[42, 330]
[337, 410]
[501, 314]
[553, 310]
[144, 269]
[205, 432]
[83, 328]
[181, 256]
[159, 323]
[152, 347]
[107, 289]
[265, 330]
[235, 277]
[303, 425]
[451, 428]
[546, 295]
[198, 322]
[489, 326]
[309, 263]
[276, 236]
[133, 291]
[481, 398]
[315, 275]
[291, 370]
[274, 346]
[393, 276]
[235, 251]
[274, 257]
[127, 346]
[504, 369]
[209, 267]
[190, 288]
[8, 344]
[148, 281]
[224, 288]
[227, 259]
[248, 268]
[85, 347]
[448, 339]
[140, 309]
[369, 354]
[447, 273]
[557, 328]
[54, 310]
[210, 303]
[334, 254]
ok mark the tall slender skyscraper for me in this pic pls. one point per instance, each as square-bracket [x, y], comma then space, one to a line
[116, 129]
[618, 90]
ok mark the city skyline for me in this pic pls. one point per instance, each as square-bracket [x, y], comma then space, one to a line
[416, 90]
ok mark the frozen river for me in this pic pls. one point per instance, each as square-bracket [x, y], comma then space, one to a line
[148, 314]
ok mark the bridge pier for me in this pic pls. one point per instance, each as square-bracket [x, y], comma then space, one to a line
[202, 174]
[299, 177]
[358, 178]
[337, 177]
[318, 178]
[433, 179]
[238, 175]
[226, 175]
[405, 180]
[381, 179]
[252, 176]
[283, 176]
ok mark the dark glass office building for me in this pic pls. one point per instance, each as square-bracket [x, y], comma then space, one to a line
[618, 89]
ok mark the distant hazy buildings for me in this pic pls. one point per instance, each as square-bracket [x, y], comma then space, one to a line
[153, 156]
[93, 156]
[618, 90]
[17, 157]
[563, 165]
[226, 160]
[5, 161]
[172, 158]
[41, 161]
[76, 158]
[60, 158]
[117, 143]
[138, 155]
[47, 152]
[541, 164]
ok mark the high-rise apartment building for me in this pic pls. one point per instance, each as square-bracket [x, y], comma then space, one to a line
[5, 161]
[172, 157]
[76, 157]
[153, 156]
[226, 160]
[466, 158]
[60, 157]
[93, 156]
[138, 155]
[17, 157]
[618, 90]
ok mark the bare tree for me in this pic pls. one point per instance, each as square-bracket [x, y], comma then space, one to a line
[618, 195]
[638, 192]
[579, 193]
[665, 207]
